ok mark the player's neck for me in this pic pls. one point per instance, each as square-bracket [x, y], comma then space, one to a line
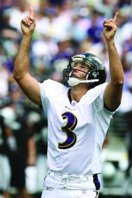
[76, 93]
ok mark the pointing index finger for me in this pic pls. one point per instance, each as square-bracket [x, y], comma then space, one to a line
[116, 16]
[31, 13]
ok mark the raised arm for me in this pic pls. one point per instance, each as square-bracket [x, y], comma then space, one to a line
[113, 91]
[21, 74]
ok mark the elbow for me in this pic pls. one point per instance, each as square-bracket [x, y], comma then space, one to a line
[16, 73]
[14, 76]
[17, 76]
[121, 80]
[118, 83]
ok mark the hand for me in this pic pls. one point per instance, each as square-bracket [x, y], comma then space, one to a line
[28, 24]
[110, 27]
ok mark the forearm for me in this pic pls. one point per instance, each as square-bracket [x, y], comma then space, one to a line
[31, 151]
[116, 69]
[113, 91]
[22, 61]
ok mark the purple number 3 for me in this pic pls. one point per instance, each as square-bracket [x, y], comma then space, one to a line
[68, 129]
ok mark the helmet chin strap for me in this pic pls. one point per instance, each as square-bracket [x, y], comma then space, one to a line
[75, 81]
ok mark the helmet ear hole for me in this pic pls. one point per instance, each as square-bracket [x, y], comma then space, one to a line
[97, 74]
[93, 74]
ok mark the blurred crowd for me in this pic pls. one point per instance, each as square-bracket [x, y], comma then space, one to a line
[63, 28]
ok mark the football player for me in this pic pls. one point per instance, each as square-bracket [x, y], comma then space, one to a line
[78, 114]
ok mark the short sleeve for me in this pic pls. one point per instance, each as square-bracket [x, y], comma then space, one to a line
[48, 90]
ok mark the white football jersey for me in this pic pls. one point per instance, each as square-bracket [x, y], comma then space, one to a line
[76, 130]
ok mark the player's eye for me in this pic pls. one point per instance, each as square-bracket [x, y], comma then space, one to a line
[83, 66]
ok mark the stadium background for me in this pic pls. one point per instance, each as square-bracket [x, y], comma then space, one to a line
[63, 28]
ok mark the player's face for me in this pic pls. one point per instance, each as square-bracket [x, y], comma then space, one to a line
[80, 70]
